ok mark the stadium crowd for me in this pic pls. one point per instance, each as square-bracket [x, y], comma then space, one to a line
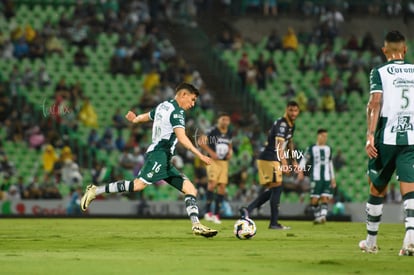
[143, 49]
[48, 132]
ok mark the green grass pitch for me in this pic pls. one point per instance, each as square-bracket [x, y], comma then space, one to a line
[140, 246]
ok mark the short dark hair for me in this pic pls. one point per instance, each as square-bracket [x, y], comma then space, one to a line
[322, 130]
[292, 103]
[187, 86]
[394, 36]
[220, 114]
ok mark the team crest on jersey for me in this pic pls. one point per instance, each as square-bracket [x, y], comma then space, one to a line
[150, 174]
[403, 125]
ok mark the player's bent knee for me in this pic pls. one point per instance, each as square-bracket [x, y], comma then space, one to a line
[211, 185]
[274, 184]
[407, 188]
[221, 189]
[139, 185]
[325, 199]
[314, 200]
[189, 188]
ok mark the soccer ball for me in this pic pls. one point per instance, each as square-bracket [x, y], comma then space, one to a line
[244, 229]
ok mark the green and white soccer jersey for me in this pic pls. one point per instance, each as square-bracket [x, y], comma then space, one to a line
[395, 80]
[166, 116]
[319, 159]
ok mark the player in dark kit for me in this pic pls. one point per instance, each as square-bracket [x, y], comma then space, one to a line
[218, 144]
[273, 162]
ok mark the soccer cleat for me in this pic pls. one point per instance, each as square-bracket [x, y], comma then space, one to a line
[209, 217]
[216, 219]
[88, 197]
[244, 213]
[364, 248]
[202, 230]
[407, 251]
[279, 227]
[320, 220]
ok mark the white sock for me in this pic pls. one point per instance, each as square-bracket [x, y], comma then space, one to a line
[374, 213]
[100, 190]
[324, 209]
[409, 222]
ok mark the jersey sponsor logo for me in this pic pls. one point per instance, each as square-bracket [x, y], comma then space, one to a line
[403, 125]
[222, 140]
[164, 107]
[401, 82]
[178, 116]
[398, 70]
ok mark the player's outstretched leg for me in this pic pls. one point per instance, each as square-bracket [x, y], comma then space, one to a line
[88, 197]
[114, 187]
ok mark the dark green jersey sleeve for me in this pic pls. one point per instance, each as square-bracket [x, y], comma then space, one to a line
[152, 114]
[375, 82]
[177, 118]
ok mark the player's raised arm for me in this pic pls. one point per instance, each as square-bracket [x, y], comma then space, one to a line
[186, 142]
[132, 117]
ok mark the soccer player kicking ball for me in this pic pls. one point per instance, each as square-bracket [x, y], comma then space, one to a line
[390, 139]
[168, 128]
